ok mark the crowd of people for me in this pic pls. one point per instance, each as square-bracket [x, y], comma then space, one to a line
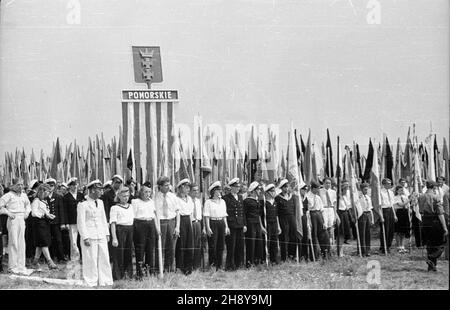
[104, 226]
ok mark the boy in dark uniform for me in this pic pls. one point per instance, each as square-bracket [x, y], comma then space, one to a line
[286, 215]
[71, 201]
[434, 228]
[55, 203]
[273, 224]
[237, 225]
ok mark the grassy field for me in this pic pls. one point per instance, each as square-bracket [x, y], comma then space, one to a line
[406, 271]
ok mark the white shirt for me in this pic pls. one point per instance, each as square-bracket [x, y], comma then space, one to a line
[197, 215]
[143, 210]
[214, 209]
[315, 203]
[387, 200]
[331, 194]
[186, 207]
[15, 203]
[91, 219]
[172, 203]
[122, 215]
[366, 203]
[345, 202]
[398, 199]
[39, 208]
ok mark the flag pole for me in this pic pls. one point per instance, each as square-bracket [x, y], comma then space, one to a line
[352, 198]
[338, 192]
[265, 226]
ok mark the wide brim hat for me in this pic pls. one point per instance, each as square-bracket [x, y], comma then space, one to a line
[214, 185]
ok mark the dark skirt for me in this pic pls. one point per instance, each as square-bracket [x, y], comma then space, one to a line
[41, 230]
[433, 233]
[403, 223]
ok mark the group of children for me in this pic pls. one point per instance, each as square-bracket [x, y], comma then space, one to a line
[258, 223]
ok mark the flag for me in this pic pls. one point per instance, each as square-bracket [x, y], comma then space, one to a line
[352, 185]
[329, 172]
[56, 160]
[375, 183]
[398, 163]
[431, 171]
[446, 162]
[369, 162]
[389, 161]
[307, 162]
[253, 156]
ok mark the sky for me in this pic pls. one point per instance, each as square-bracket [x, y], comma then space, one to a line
[319, 64]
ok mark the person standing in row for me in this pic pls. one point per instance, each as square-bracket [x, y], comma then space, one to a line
[16, 206]
[109, 195]
[184, 249]
[146, 231]
[71, 201]
[41, 215]
[255, 229]
[434, 228]
[168, 210]
[388, 217]
[121, 220]
[319, 233]
[237, 224]
[55, 204]
[273, 224]
[344, 211]
[196, 225]
[30, 248]
[402, 211]
[365, 220]
[94, 233]
[215, 214]
[284, 203]
[330, 217]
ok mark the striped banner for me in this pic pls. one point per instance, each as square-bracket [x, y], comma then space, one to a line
[148, 135]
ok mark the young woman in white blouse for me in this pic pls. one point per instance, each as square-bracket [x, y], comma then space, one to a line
[121, 218]
[41, 226]
[402, 210]
[215, 214]
[146, 230]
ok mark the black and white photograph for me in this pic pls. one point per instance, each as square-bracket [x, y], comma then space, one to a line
[244, 146]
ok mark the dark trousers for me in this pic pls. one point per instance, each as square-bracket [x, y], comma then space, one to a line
[345, 226]
[288, 237]
[272, 242]
[235, 248]
[417, 230]
[433, 235]
[122, 259]
[364, 233]
[56, 247]
[253, 244]
[305, 243]
[65, 242]
[216, 243]
[319, 235]
[144, 238]
[197, 239]
[167, 240]
[184, 249]
[388, 216]
[30, 249]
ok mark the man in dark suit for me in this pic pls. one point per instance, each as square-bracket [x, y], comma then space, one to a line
[55, 204]
[70, 202]
[110, 194]
[236, 223]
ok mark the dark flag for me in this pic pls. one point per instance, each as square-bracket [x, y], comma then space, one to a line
[358, 163]
[299, 155]
[389, 162]
[130, 160]
[369, 162]
[329, 171]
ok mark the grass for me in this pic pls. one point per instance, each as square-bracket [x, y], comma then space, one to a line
[407, 271]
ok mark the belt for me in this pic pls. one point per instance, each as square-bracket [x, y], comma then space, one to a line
[143, 220]
[216, 218]
[166, 220]
[314, 210]
[181, 215]
[195, 221]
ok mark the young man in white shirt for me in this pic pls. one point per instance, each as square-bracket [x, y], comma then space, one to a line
[365, 220]
[388, 217]
[196, 225]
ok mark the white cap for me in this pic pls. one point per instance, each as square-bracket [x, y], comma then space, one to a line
[269, 187]
[214, 185]
[234, 181]
[63, 184]
[116, 176]
[184, 181]
[254, 185]
[33, 182]
[283, 183]
[107, 183]
[71, 180]
[50, 180]
[93, 183]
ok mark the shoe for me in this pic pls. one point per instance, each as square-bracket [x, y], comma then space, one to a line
[52, 265]
[346, 242]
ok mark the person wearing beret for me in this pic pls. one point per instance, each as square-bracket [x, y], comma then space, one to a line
[215, 214]
[273, 224]
[253, 237]
[94, 233]
[71, 201]
[286, 214]
[184, 248]
[55, 203]
[435, 230]
[237, 225]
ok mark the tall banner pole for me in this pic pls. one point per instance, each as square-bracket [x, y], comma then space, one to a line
[338, 193]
